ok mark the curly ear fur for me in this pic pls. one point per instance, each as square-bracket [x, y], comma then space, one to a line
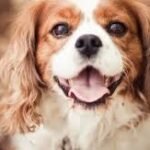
[144, 21]
[141, 11]
[18, 106]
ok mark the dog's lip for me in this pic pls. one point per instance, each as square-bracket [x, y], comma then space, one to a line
[111, 83]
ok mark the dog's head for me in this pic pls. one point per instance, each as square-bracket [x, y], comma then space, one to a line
[90, 52]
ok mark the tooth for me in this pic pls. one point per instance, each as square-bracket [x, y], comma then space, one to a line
[106, 81]
[70, 82]
[105, 78]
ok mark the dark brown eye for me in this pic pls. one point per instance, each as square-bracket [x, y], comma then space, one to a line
[117, 29]
[60, 30]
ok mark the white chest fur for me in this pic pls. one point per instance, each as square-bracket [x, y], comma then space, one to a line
[92, 133]
[88, 130]
[87, 137]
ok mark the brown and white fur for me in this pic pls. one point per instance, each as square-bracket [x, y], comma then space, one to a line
[34, 110]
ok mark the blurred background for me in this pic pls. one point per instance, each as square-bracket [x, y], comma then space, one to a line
[8, 9]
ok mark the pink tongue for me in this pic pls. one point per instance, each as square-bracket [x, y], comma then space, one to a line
[88, 87]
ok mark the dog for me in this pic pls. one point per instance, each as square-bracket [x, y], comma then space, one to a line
[76, 76]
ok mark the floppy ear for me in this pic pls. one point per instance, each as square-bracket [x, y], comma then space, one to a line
[144, 20]
[141, 11]
[18, 106]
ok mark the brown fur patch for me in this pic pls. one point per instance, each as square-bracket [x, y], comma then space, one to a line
[47, 44]
[25, 65]
[132, 44]
[26, 62]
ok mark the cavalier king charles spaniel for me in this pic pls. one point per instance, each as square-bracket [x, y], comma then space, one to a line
[76, 76]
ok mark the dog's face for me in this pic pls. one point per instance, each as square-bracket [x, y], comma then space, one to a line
[90, 52]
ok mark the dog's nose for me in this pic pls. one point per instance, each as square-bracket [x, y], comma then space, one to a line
[88, 45]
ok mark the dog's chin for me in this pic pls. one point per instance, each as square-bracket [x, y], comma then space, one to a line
[89, 88]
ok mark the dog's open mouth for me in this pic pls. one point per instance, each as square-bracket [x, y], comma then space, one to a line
[90, 87]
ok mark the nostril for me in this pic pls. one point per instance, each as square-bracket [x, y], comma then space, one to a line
[96, 42]
[80, 43]
[88, 45]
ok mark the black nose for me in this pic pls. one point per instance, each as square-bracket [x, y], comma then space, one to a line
[88, 45]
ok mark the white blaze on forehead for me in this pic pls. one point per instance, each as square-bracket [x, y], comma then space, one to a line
[86, 6]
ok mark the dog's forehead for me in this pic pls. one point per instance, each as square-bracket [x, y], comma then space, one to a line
[87, 7]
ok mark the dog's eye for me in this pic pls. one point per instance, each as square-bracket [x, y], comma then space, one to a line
[60, 30]
[117, 29]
